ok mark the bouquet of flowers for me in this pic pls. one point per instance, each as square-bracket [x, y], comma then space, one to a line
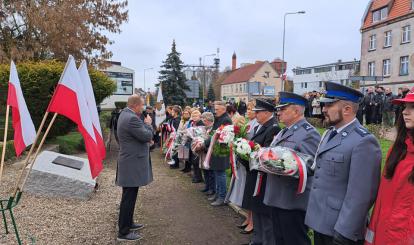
[282, 161]
[194, 132]
[243, 148]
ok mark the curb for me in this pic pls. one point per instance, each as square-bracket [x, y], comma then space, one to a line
[238, 210]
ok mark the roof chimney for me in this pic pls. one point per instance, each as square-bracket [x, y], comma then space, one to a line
[234, 62]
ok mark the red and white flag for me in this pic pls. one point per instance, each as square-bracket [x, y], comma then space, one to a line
[24, 130]
[90, 100]
[69, 101]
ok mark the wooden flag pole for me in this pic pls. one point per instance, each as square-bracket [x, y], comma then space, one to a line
[38, 150]
[26, 161]
[6, 127]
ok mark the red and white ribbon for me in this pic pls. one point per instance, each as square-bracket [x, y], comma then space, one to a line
[206, 163]
[303, 175]
[170, 145]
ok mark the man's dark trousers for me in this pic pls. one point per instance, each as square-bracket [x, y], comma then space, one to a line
[126, 209]
[289, 227]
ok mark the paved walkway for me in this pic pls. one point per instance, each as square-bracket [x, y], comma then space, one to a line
[176, 212]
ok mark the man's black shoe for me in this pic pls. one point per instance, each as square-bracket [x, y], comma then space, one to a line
[204, 190]
[197, 181]
[129, 237]
[135, 227]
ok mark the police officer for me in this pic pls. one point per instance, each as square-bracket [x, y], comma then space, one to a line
[254, 189]
[347, 172]
[288, 207]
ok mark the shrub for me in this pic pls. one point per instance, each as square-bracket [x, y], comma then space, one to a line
[70, 143]
[38, 81]
[10, 151]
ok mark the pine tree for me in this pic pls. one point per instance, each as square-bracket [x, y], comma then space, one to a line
[210, 94]
[172, 79]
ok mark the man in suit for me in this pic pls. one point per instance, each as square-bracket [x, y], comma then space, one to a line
[134, 167]
[254, 189]
[219, 164]
[347, 172]
[288, 207]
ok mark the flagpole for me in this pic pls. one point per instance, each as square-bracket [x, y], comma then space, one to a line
[6, 127]
[26, 161]
[38, 150]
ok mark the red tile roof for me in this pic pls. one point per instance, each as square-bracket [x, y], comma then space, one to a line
[398, 8]
[243, 74]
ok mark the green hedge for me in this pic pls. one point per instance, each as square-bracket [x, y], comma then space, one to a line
[70, 143]
[10, 152]
[38, 81]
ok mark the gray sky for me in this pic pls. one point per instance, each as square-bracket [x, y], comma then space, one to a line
[253, 29]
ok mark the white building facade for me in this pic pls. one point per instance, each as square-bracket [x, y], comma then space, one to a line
[124, 79]
[312, 78]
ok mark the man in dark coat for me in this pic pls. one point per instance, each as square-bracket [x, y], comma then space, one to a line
[388, 108]
[242, 107]
[256, 181]
[134, 165]
[379, 104]
[369, 105]
[219, 164]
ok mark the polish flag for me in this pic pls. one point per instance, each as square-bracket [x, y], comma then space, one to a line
[24, 130]
[69, 100]
[90, 100]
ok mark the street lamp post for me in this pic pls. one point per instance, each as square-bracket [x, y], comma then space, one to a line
[146, 69]
[204, 74]
[283, 50]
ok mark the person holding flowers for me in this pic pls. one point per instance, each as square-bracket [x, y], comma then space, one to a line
[194, 159]
[289, 207]
[219, 163]
[237, 190]
[255, 186]
[392, 221]
[174, 123]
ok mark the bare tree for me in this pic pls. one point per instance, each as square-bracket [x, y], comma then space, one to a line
[53, 29]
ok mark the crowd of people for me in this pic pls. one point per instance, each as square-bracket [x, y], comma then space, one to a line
[342, 179]
[376, 107]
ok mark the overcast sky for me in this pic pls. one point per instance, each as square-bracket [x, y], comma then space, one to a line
[329, 31]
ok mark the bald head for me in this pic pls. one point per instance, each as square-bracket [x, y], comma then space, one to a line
[135, 103]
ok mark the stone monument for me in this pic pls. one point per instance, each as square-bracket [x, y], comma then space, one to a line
[59, 175]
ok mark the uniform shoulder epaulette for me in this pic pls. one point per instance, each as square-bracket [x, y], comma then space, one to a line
[307, 126]
[362, 131]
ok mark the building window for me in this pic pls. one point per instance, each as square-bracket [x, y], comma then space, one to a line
[386, 67]
[388, 39]
[323, 69]
[371, 68]
[320, 84]
[241, 88]
[304, 85]
[406, 34]
[404, 66]
[303, 71]
[373, 42]
[380, 14]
